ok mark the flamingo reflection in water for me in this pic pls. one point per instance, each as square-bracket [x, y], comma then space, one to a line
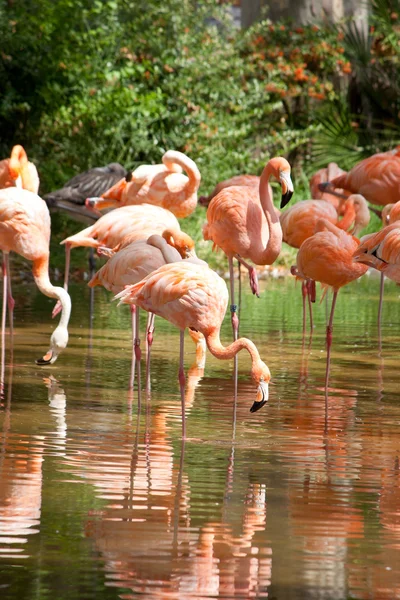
[21, 471]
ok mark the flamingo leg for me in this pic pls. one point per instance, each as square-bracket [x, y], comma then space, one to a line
[4, 308]
[133, 363]
[10, 299]
[58, 306]
[182, 381]
[138, 352]
[149, 342]
[252, 275]
[329, 331]
[381, 291]
[311, 298]
[304, 295]
[234, 317]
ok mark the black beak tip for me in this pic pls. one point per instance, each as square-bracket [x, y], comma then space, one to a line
[128, 176]
[257, 405]
[323, 186]
[286, 198]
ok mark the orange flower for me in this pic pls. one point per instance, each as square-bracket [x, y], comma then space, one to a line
[299, 74]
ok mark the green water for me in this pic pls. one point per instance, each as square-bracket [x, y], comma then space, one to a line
[101, 501]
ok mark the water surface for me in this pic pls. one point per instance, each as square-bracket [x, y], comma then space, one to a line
[99, 500]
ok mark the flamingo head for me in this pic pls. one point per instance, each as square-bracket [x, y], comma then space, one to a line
[112, 198]
[261, 377]
[181, 241]
[367, 253]
[280, 169]
[58, 342]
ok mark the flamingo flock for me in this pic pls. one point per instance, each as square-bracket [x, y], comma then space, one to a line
[152, 262]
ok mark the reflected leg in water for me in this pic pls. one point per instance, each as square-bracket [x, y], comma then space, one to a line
[177, 503]
[329, 331]
[182, 381]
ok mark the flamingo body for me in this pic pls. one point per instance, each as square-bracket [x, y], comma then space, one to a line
[377, 178]
[327, 256]
[161, 185]
[242, 180]
[136, 222]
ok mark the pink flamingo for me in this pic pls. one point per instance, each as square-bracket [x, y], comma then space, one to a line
[162, 185]
[322, 176]
[242, 221]
[131, 264]
[327, 257]
[299, 221]
[194, 296]
[25, 229]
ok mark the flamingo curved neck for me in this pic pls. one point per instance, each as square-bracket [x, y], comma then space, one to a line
[274, 244]
[40, 272]
[227, 352]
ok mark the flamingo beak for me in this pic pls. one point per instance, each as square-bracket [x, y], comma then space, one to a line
[261, 397]
[287, 188]
[47, 359]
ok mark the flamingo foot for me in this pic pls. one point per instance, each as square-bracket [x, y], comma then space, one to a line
[254, 281]
[56, 310]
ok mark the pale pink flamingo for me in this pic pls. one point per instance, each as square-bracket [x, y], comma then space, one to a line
[25, 229]
[162, 185]
[129, 223]
[327, 257]
[298, 224]
[131, 264]
[242, 221]
[18, 172]
[194, 296]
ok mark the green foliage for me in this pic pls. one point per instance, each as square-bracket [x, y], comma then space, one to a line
[85, 82]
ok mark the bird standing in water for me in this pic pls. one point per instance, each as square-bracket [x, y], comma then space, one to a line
[242, 221]
[299, 221]
[25, 229]
[327, 257]
[193, 296]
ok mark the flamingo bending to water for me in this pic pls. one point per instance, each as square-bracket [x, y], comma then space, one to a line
[327, 257]
[25, 229]
[242, 222]
[194, 296]
[162, 185]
